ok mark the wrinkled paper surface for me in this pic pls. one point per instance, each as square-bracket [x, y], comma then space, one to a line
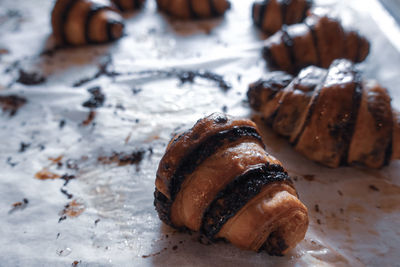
[354, 212]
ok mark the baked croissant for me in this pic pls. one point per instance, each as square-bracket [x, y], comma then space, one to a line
[216, 178]
[193, 9]
[270, 15]
[79, 22]
[331, 116]
[318, 41]
[128, 5]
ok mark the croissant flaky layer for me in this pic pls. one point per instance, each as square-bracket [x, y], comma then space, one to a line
[216, 178]
[318, 41]
[331, 116]
[192, 9]
[128, 5]
[79, 22]
[270, 15]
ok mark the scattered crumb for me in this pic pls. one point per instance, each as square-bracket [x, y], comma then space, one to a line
[73, 209]
[175, 247]
[340, 193]
[30, 78]
[66, 193]
[318, 221]
[75, 263]
[123, 159]
[20, 205]
[96, 222]
[45, 174]
[9, 162]
[62, 124]
[154, 254]
[373, 188]
[224, 109]
[67, 178]
[309, 177]
[96, 99]
[12, 103]
[90, 118]
[136, 90]
[317, 208]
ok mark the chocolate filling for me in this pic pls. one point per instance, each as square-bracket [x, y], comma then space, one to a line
[237, 193]
[208, 147]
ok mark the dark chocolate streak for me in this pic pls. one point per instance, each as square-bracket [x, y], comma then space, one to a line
[237, 193]
[315, 42]
[288, 42]
[89, 16]
[213, 10]
[309, 112]
[163, 207]
[193, 14]
[349, 129]
[64, 19]
[205, 150]
[118, 4]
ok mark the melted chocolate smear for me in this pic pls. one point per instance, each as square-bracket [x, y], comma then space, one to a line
[96, 99]
[12, 103]
[30, 78]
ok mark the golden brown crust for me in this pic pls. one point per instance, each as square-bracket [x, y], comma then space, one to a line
[193, 9]
[332, 117]
[227, 180]
[80, 22]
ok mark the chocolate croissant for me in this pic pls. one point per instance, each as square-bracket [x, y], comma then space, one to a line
[270, 15]
[194, 9]
[79, 22]
[331, 116]
[128, 5]
[318, 41]
[216, 178]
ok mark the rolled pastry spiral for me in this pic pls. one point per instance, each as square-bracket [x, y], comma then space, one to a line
[318, 41]
[216, 178]
[80, 22]
[128, 5]
[194, 9]
[331, 116]
[270, 15]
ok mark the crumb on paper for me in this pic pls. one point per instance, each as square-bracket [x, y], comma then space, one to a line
[123, 159]
[309, 177]
[30, 78]
[19, 205]
[12, 103]
[90, 118]
[73, 209]
[45, 174]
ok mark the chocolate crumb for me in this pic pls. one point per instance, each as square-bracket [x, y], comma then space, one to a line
[373, 188]
[23, 146]
[136, 90]
[96, 99]
[58, 235]
[62, 124]
[90, 118]
[341, 210]
[65, 192]
[9, 162]
[340, 193]
[67, 178]
[175, 247]
[224, 109]
[309, 177]
[75, 263]
[96, 222]
[62, 218]
[316, 208]
[30, 78]
[318, 221]
[12, 103]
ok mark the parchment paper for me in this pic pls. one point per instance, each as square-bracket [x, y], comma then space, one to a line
[106, 216]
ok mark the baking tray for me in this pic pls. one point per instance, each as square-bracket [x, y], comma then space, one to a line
[98, 210]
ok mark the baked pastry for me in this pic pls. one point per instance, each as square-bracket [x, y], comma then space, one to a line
[270, 15]
[318, 41]
[193, 9]
[128, 5]
[79, 22]
[331, 116]
[216, 178]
